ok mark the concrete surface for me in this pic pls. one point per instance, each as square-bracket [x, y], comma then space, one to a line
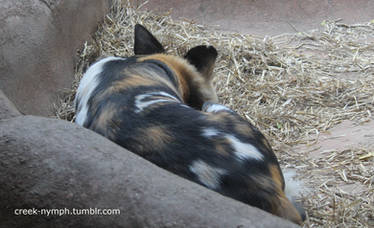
[343, 136]
[266, 17]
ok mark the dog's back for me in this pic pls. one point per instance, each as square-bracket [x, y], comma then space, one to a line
[164, 109]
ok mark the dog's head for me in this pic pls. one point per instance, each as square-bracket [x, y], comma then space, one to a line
[194, 72]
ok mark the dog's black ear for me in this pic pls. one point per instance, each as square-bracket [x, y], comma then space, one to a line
[145, 43]
[203, 58]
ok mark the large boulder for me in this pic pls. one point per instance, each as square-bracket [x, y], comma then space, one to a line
[7, 108]
[39, 39]
[53, 164]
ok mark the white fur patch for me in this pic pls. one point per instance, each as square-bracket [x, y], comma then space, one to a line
[208, 175]
[294, 188]
[217, 108]
[209, 132]
[244, 150]
[141, 104]
[87, 85]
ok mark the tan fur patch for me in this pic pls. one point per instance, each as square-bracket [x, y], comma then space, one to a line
[262, 182]
[133, 81]
[156, 137]
[207, 174]
[243, 129]
[208, 71]
[207, 91]
[288, 211]
[151, 75]
[282, 206]
[187, 76]
[221, 117]
[266, 144]
[104, 122]
[277, 177]
[179, 67]
[124, 84]
[221, 147]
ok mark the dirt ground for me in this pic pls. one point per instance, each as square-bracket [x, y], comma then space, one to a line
[265, 17]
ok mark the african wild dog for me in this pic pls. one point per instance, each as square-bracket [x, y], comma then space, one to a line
[164, 108]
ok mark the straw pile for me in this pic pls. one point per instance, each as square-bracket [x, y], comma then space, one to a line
[292, 87]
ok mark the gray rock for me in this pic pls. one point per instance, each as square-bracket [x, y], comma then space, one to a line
[7, 108]
[39, 39]
[47, 163]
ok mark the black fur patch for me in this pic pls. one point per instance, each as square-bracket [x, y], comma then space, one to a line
[145, 42]
[201, 57]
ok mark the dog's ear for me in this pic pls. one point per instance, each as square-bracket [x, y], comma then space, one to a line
[203, 58]
[145, 43]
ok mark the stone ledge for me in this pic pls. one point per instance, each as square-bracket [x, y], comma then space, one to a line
[56, 164]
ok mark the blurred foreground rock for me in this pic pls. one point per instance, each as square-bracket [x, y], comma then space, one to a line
[7, 108]
[47, 163]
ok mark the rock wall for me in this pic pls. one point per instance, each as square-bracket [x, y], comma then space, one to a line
[39, 39]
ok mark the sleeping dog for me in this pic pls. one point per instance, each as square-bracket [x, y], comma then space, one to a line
[164, 108]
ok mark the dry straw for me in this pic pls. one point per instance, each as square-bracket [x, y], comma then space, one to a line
[291, 86]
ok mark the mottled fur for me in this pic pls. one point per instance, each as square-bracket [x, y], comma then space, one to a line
[164, 108]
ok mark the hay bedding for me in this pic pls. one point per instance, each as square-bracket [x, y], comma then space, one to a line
[291, 86]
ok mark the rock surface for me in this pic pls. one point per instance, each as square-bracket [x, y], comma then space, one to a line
[7, 108]
[47, 163]
[39, 39]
